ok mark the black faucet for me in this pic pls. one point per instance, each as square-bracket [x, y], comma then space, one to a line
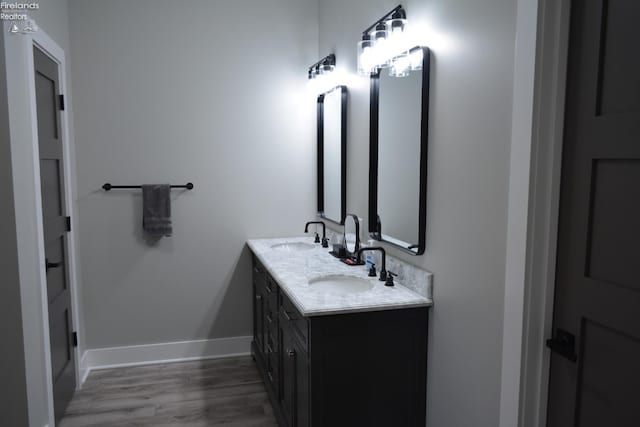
[325, 241]
[383, 270]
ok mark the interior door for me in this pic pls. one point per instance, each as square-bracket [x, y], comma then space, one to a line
[55, 230]
[595, 365]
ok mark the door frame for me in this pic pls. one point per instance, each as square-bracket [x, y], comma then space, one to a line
[542, 44]
[47, 45]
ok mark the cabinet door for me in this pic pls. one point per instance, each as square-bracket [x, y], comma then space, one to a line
[259, 314]
[272, 366]
[272, 347]
[287, 374]
[301, 363]
[294, 398]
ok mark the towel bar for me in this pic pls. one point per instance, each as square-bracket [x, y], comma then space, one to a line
[108, 187]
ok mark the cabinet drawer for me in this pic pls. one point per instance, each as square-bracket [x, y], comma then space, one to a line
[271, 330]
[271, 286]
[271, 295]
[272, 367]
[271, 320]
[290, 317]
[258, 268]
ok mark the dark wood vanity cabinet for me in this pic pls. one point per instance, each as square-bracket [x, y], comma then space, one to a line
[355, 369]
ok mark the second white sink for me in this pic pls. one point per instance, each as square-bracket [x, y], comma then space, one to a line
[339, 284]
[293, 246]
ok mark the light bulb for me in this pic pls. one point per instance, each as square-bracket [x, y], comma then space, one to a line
[381, 55]
[366, 64]
[401, 66]
[327, 68]
[397, 36]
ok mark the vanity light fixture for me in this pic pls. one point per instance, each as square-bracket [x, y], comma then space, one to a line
[323, 67]
[384, 44]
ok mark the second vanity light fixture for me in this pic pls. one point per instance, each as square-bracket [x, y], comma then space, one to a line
[385, 44]
[323, 67]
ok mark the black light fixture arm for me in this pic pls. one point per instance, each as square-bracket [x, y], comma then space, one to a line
[399, 9]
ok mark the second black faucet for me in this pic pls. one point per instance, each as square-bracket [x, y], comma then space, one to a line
[325, 241]
[383, 269]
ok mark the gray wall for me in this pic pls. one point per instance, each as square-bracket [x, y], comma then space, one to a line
[206, 91]
[470, 118]
[13, 389]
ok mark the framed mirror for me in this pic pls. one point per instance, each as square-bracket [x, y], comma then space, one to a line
[332, 154]
[352, 234]
[398, 154]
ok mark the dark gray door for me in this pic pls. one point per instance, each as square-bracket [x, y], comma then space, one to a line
[595, 381]
[55, 230]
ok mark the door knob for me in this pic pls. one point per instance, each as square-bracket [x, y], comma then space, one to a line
[48, 265]
[564, 344]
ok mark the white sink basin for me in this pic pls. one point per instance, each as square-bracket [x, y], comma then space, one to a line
[340, 284]
[293, 246]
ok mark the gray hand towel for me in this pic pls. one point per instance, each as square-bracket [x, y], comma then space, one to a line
[156, 209]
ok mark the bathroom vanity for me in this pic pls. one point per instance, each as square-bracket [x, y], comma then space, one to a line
[335, 347]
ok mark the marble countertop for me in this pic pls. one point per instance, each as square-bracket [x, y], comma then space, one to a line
[293, 270]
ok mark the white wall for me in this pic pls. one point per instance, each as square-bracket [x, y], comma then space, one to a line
[472, 45]
[205, 91]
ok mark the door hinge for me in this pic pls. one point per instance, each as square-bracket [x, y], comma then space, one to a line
[68, 223]
[61, 102]
[75, 339]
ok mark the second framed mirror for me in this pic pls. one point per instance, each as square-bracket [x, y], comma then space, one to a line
[398, 152]
[332, 154]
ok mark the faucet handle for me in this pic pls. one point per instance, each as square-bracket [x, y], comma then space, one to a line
[325, 242]
[390, 276]
[372, 270]
[317, 239]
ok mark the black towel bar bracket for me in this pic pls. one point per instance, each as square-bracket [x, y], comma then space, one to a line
[108, 187]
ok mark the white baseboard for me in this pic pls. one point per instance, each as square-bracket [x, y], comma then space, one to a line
[83, 369]
[148, 354]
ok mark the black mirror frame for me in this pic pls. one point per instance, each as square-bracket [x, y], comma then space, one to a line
[343, 154]
[374, 222]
